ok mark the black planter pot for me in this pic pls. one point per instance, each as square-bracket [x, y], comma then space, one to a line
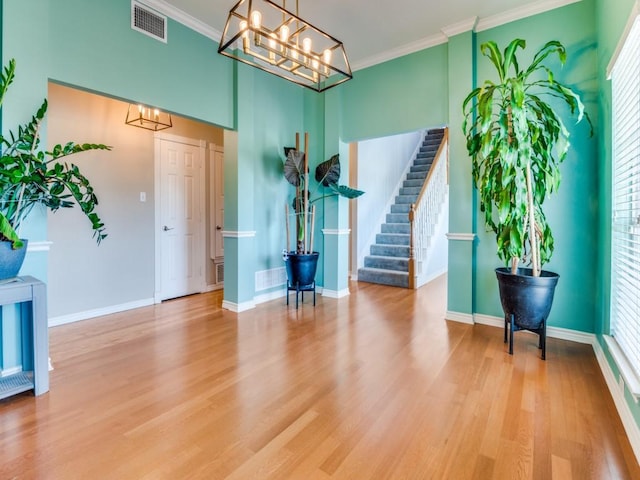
[526, 301]
[11, 260]
[301, 273]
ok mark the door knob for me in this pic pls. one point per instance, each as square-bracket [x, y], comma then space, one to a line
[218, 227]
[166, 229]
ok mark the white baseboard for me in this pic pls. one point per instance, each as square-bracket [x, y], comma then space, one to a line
[628, 421]
[10, 371]
[430, 277]
[459, 317]
[213, 288]
[617, 391]
[335, 293]
[553, 332]
[98, 312]
[267, 297]
[238, 307]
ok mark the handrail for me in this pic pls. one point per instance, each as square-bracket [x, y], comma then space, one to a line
[423, 213]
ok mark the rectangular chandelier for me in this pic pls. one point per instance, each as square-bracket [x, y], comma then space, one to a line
[147, 117]
[271, 38]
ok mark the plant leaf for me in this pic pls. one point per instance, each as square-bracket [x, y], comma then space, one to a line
[328, 172]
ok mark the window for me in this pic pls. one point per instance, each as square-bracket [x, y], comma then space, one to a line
[625, 229]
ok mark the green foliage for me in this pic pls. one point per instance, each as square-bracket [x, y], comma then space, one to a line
[30, 177]
[327, 174]
[509, 127]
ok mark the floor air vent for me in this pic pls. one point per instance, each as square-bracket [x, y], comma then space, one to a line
[146, 21]
[219, 272]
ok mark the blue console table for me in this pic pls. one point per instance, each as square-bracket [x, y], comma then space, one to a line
[31, 293]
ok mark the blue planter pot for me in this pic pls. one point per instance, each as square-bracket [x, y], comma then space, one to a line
[301, 268]
[11, 260]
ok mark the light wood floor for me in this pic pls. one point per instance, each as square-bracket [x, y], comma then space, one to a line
[372, 386]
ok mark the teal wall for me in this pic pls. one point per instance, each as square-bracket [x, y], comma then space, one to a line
[23, 99]
[573, 210]
[92, 45]
[612, 18]
[402, 95]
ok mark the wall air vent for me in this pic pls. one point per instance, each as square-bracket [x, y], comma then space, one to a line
[219, 272]
[146, 21]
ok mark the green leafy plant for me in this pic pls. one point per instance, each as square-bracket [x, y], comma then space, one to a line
[30, 177]
[517, 141]
[327, 175]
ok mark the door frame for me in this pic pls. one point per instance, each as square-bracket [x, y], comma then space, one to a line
[201, 208]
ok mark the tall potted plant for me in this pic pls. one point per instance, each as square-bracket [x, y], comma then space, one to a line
[31, 177]
[302, 262]
[517, 141]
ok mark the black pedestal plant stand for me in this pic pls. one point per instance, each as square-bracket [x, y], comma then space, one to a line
[526, 302]
[301, 274]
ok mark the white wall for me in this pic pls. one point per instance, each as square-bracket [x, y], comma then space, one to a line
[84, 277]
[382, 165]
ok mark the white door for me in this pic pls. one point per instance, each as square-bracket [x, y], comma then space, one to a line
[180, 217]
[218, 164]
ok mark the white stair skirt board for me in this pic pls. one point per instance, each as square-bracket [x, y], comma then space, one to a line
[98, 312]
[335, 293]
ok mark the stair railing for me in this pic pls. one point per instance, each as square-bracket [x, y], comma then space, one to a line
[423, 215]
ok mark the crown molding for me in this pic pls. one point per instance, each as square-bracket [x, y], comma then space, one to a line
[184, 18]
[460, 27]
[479, 24]
[428, 42]
[520, 13]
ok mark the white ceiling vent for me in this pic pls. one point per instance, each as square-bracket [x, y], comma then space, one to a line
[149, 22]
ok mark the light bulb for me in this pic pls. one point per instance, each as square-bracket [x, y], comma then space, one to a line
[272, 40]
[284, 33]
[243, 27]
[256, 19]
[156, 113]
[140, 108]
[306, 44]
[315, 63]
[326, 55]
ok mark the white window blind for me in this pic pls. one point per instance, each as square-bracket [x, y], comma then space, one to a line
[625, 255]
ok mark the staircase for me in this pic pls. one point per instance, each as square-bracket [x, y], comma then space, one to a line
[388, 262]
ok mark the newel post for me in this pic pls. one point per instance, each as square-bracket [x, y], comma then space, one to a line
[412, 258]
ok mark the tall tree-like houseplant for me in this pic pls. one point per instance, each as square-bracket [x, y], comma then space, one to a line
[31, 177]
[296, 172]
[517, 141]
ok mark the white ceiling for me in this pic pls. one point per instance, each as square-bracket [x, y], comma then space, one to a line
[372, 30]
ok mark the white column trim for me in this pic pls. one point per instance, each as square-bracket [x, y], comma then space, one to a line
[335, 231]
[238, 234]
[466, 237]
[42, 246]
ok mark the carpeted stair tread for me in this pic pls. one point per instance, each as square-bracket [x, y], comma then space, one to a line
[388, 262]
[399, 264]
[395, 228]
[390, 250]
[392, 239]
[384, 277]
